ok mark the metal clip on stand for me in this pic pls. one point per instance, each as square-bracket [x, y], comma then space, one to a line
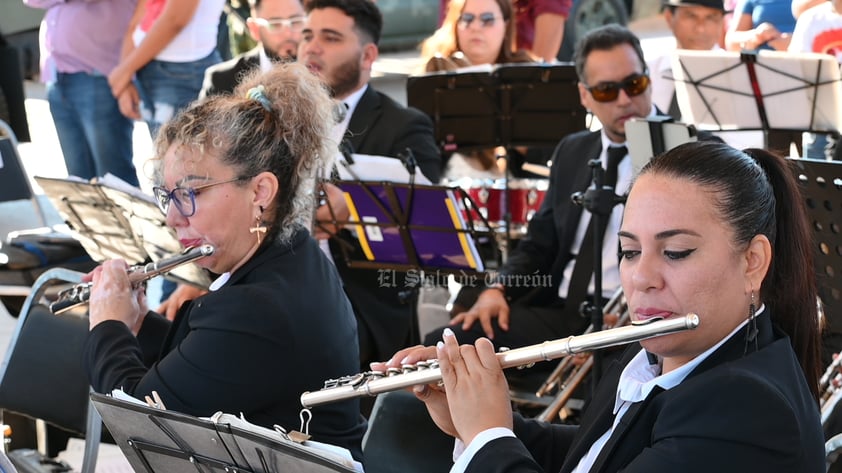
[599, 201]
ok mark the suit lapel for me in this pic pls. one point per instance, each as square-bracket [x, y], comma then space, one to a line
[366, 113]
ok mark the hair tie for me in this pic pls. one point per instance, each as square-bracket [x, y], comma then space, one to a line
[259, 94]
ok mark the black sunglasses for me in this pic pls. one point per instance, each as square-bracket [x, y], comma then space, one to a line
[634, 85]
[486, 19]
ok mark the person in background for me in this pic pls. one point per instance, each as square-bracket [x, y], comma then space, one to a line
[474, 33]
[168, 46]
[276, 26]
[95, 138]
[539, 25]
[738, 393]
[339, 45]
[696, 25]
[238, 172]
[760, 24]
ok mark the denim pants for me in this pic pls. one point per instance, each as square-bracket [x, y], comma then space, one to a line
[167, 87]
[94, 136]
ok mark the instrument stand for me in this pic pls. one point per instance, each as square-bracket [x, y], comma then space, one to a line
[599, 201]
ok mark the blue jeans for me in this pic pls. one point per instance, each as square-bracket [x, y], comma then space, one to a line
[95, 137]
[167, 87]
[815, 146]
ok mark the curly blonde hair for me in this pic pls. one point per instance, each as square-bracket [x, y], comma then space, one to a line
[285, 134]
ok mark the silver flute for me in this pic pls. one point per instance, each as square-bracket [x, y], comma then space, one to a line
[372, 383]
[80, 293]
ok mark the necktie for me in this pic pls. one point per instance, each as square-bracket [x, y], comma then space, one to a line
[583, 268]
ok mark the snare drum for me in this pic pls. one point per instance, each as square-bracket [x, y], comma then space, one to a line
[524, 198]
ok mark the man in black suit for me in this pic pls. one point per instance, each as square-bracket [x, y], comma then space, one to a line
[276, 26]
[528, 301]
[339, 44]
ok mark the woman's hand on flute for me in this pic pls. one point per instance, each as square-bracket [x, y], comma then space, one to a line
[477, 391]
[432, 395]
[112, 296]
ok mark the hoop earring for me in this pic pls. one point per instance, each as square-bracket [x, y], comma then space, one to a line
[258, 227]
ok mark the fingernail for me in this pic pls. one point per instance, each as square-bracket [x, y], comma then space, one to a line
[405, 361]
[447, 332]
[440, 346]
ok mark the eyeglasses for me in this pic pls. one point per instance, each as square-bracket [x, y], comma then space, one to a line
[634, 85]
[276, 25]
[184, 198]
[486, 19]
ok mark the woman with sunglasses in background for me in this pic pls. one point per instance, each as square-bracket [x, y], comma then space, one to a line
[238, 172]
[543, 283]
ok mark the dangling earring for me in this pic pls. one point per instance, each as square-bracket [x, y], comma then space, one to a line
[258, 227]
[751, 326]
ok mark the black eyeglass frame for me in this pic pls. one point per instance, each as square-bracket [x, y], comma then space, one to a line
[605, 92]
[163, 197]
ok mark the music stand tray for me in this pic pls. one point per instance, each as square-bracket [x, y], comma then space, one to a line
[766, 90]
[411, 226]
[160, 441]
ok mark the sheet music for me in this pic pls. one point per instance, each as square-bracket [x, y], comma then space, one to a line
[368, 167]
[800, 91]
[333, 452]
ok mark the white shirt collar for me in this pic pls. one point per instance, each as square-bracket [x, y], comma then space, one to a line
[639, 377]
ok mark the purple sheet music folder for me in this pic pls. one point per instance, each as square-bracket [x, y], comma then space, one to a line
[435, 231]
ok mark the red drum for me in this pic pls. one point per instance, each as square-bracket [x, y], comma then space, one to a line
[524, 197]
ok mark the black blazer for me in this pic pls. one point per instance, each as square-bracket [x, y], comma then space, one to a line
[381, 126]
[222, 78]
[546, 247]
[735, 412]
[279, 327]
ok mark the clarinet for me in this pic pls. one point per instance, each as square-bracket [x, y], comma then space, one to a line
[80, 293]
[372, 383]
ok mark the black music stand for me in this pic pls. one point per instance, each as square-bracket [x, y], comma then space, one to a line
[821, 186]
[160, 441]
[118, 222]
[507, 105]
[781, 94]
[405, 227]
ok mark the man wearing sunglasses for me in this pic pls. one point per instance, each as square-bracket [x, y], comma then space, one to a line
[276, 26]
[532, 298]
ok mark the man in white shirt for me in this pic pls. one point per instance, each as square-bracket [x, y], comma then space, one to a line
[696, 25]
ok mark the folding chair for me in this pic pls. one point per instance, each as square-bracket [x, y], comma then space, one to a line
[25, 257]
[14, 182]
[41, 375]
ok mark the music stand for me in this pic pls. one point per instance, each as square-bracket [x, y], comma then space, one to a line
[507, 105]
[778, 93]
[406, 227]
[111, 222]
[821, 186]
[160, 441]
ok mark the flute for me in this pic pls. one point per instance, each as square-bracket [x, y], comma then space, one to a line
[80, 293]
[373, 383]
